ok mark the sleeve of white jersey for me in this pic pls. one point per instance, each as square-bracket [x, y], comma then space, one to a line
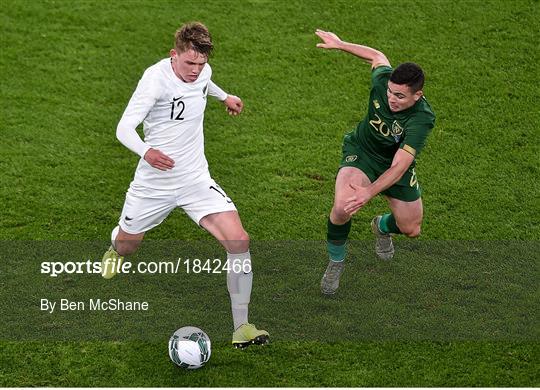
[217, 92]
[141, 102]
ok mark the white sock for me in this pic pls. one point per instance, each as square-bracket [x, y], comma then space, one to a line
[239, 286]
[114, 233]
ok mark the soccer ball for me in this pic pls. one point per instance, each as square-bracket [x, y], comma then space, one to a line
[189, 347]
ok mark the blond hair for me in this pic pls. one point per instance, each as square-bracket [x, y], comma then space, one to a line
[193, 35]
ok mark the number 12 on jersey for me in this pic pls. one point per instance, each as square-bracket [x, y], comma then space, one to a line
[178, 106]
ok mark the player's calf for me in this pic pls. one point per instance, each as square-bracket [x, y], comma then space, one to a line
[125, 243]
[122, 244]
[126, 248]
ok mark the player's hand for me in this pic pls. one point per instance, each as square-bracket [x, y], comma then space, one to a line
[158, 159]
[234, 105]
[358, 200]
[330, 40]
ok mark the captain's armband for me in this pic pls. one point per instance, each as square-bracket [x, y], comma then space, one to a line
[409, 149]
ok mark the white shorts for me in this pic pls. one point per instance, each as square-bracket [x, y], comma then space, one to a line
[145, 208]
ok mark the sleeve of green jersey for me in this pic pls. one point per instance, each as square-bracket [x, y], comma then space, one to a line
[380, 75]
[416, 133]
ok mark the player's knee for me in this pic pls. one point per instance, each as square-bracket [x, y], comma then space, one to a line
[243, 241]
[339, 216]
[411, 230]
[238, 243]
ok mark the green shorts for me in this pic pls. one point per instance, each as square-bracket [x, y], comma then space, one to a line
[406, 189]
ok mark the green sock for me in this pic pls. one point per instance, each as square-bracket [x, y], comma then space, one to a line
[337, 239]
[387, 224]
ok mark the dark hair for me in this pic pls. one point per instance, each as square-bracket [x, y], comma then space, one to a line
[409, 74]
[193, 35]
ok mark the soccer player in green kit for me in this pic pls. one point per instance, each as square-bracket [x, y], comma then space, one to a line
[379, 157]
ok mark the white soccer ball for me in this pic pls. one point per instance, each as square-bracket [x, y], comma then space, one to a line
[189, 347]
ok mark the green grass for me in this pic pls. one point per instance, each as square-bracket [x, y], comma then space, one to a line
[69, 68]
[282, 364]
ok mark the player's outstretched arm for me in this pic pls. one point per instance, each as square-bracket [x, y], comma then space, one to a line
[331, 41]
[234, 104]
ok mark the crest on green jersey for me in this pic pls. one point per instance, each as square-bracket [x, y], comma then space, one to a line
[351, 158]
[396, 131]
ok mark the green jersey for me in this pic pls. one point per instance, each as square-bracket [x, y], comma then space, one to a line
[383, 132]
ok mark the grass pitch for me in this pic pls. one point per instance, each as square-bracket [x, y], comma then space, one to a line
[69, 68]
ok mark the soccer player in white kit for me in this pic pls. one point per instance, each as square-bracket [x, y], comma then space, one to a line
[170, 100]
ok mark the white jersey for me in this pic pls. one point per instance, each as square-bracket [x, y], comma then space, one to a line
[172, 113]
